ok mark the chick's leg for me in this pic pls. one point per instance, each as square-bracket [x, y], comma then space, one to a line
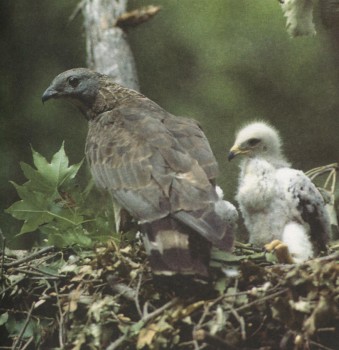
[281, 251]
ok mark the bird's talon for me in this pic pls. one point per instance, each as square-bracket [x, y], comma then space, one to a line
[280, 250]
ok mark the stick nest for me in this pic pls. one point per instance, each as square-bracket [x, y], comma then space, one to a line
[107, 298]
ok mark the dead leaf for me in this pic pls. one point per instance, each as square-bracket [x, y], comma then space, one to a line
[146, 335]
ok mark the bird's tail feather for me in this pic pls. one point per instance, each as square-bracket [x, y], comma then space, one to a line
[214, 225]
[174, 248]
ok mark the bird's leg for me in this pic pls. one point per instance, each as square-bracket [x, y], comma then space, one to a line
[281, 251]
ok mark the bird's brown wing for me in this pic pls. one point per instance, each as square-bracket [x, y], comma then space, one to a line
[135, 156]
[191, 137]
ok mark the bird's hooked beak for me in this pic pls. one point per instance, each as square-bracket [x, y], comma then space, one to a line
[235, 150]
[48, 94]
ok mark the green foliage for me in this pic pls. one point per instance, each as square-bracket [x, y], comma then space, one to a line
[53, 203]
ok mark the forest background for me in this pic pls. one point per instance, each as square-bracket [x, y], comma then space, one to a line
[222, 62]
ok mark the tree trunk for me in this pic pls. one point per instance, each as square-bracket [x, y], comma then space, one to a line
[108, 51]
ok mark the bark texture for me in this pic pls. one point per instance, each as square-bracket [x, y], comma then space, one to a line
[108, 51]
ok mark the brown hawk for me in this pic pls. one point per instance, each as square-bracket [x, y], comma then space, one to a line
[159, 167]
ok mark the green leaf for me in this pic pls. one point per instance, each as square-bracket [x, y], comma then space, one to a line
[37, 181]
[222, 256]
[40, 200]
[3, 318]
[14, 327]
[32, 209]
[57, 172]
[75, 235]
[54, 204]
[221, 285]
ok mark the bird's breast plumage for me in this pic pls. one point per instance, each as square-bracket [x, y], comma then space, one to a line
[256, 186]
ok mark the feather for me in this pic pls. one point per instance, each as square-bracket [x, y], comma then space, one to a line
[276, 201]
[158, 167]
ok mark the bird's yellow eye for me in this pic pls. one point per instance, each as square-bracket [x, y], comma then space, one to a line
[73, 81]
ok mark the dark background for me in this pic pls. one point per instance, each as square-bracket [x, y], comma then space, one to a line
[222, 62]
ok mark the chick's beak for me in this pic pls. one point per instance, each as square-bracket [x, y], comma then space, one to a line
[234, 151]
[48, 94]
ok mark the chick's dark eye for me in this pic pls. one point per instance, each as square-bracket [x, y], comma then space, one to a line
[253, 142]
[73, 81]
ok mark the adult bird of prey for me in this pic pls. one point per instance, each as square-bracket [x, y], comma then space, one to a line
[159, 167]
[278, 204]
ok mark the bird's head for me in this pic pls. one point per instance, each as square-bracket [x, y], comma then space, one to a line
[256, 139]
[79, 85]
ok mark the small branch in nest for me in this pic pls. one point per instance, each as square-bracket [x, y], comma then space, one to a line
[144, 320]
[38, 274]
[22, 331]
[11, 286]
[121, 288]
[29, 257]
[60, 319]
[116, 343]
[136, 300]
[27, 343]
[136, 17]
[3, 238]
[45, 273]
[247, 247]
[214, 341]
[265, 298]
[322, 347]
[241, 323]
[334, 256]
[332, 169]
[159, 311]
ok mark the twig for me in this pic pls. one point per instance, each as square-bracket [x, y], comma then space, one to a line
[334, 256]
[121, 288]
[287, 267]
[328, 329]
[230, 295]
[241, 322]
[268, 297]
[213, 340]
[43, 260]
[136, 299]
[116, 343]
[11, 286]
[77, 10]
[3, 238]
[45, 273]
[246, 246]
[38, 273]
[319, 345]
[161, 309]
[61, 318]
[145, 308]
[313, 173]
[136, 17]
[259, 328]
[186, 344]
[29, 257]
[144, 319]
[22, 331]
[207, 308]
[27, 343]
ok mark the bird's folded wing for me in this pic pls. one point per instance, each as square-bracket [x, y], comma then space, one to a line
[310, 206]
[191, 137]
